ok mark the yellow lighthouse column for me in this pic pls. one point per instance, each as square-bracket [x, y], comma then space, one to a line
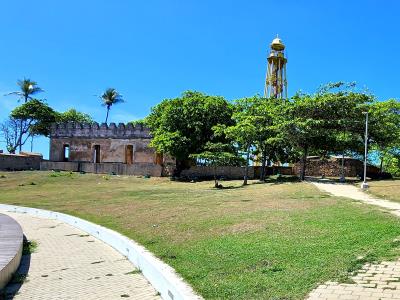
[276, 82]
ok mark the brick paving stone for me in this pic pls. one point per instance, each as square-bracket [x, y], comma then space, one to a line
[373, 281]
[69, 264]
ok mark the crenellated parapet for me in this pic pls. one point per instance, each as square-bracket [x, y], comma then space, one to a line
[96, 130]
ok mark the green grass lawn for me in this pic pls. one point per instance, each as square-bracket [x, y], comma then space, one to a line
[385, 189]
[265, 241]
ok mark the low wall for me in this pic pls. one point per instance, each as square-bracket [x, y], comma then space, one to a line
[333, 168]
[230, 172]
[142, 169]
[160, 275]
[16, 162]
[206, 172]
[273, 170]
[11, 245]
[59, 166]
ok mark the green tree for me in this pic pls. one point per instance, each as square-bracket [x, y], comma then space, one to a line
[141, 122]
[109, 98]
[27, 89]
[9, 131]
[183, 126]
[215, 155]
[328, 121]
[268, 144]
[343, 105]
[384, 128]
[305, 125]
[244, 130]
[391, 159]
[72, 115]
[37, 118]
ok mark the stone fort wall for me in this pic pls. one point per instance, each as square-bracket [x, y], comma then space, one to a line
[80, 142]
[93, 130]
[333, 167]
[20, 162]
[144, 169]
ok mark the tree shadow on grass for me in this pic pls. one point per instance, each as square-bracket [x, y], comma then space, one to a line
[281, 179]
[230, 187]
[329, 180]
[269, 180]
[19, 277]
[225, 184]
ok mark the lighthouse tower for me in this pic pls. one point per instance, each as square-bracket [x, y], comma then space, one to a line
[276, 82]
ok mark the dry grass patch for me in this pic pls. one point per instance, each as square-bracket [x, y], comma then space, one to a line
[385, 189]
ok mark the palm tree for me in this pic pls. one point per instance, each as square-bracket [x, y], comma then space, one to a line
[28, 88]
[110, 97]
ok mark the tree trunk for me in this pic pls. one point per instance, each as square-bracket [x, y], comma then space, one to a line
[342, 175]
[263, 163]
[303, 164]
[108, 110]
[178, 168]
[215, 176]
[246, 170]
[32, 143]
[19, 140]
[180, 165]
[26, 97]
[381, 166]
[20, 135]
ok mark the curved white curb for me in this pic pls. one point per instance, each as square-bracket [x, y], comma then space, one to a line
[11, 246]
[161, 276]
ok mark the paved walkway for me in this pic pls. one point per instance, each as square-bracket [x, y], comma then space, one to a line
[69, 264]
[373, 281]
[350, 191]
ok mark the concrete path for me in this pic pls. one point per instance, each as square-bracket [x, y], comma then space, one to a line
[374, 281]
[69, 264]
[350, 191]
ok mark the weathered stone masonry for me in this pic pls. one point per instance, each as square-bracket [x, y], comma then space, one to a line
[19, 162]
[122, 149]
[88, 142]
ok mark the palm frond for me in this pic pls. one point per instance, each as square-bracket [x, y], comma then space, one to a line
[14, 93]
[28, 88]
[111, 96]
[36, 90]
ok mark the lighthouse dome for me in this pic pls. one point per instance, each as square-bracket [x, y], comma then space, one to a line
[277, 44]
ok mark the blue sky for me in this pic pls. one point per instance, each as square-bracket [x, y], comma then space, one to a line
[152, 50]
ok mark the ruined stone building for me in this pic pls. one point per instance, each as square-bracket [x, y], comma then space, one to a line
[122, 149]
